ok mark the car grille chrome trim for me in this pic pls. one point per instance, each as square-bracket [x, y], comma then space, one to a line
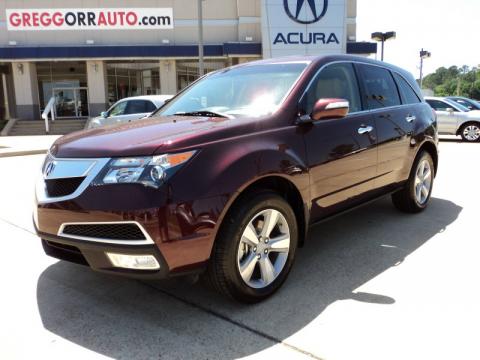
[147, 241]
[67, 168]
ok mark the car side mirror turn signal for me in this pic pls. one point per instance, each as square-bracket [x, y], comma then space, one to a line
[325, 109]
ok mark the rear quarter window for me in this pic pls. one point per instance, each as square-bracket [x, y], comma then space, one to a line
[407, 94]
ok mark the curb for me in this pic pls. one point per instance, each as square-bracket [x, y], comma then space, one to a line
[22, 153]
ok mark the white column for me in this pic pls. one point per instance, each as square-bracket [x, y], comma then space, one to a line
[97, 87]
[168, 77]
[26, 90]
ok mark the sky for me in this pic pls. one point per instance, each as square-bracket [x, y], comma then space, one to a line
[449, 29]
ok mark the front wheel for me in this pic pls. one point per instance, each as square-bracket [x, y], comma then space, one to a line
[470, 132]
[255, 248]
[414, 197]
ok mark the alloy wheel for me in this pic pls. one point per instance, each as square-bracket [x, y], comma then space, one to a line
[263, 248]
[423, 181]
[471, 132]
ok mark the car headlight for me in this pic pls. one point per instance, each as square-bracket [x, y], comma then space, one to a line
[146, 170]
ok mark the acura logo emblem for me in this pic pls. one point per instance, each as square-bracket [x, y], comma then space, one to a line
[49, 168]
[313, 10]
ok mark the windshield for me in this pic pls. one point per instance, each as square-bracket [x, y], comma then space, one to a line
[246, 91]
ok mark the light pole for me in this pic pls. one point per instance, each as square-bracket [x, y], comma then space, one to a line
[424, 54]
[200, 39]
[382, 37]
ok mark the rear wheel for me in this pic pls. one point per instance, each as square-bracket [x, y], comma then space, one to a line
[470, 132]
[255, 248]
[414, 197]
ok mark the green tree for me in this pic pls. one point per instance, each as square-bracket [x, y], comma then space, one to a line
[462, 81]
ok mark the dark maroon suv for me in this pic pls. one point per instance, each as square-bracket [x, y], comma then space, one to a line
[228, 176]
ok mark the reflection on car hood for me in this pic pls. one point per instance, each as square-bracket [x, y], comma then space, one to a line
[144, 137]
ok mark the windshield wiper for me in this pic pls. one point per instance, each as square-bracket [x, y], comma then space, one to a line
[204, 113]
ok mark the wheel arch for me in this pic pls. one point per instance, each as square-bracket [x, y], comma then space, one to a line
[431, 148]
[284, 187]
[459, 130]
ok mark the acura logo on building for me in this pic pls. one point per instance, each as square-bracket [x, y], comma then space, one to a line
[314, 10]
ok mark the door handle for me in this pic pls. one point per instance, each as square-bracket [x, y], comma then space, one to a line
[365, 129]
[411, 118]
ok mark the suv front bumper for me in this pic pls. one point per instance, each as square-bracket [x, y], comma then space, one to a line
[95, 256]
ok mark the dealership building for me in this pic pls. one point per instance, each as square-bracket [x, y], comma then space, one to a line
[87, 54]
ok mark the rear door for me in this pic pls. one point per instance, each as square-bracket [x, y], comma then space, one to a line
[341, 153]
[394, 122]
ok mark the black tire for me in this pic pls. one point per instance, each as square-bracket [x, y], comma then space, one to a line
[406, 199]
[475, 126]
[223, 270]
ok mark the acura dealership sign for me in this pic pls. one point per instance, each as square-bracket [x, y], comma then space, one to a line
[303, 27]
[89, 19]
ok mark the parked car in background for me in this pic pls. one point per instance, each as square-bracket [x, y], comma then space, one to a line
[228, 176]
[129, 109]
[466, 102]
[456, 119]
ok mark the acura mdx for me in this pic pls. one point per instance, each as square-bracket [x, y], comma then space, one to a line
[228, 176]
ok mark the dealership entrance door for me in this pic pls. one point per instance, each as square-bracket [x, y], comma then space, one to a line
[71, 102]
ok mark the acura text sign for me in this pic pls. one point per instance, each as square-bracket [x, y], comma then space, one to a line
[303, 27]
[89, 19]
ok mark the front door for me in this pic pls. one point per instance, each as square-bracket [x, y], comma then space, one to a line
[71, 102]
[342, 153]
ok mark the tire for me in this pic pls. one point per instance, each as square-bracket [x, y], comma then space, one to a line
[235, 248]
[470, 132]
[415, 195]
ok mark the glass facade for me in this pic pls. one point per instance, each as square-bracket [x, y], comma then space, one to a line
[187, 70]
[67, 82]
[125, 79]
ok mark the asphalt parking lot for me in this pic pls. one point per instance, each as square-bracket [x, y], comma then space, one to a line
[372, 284]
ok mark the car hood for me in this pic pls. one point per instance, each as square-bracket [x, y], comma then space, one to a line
[149, 136]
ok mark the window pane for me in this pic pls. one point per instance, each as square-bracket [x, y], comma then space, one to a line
[335, 81]
[149, 106]
[380, 87]
[136, 107]
[439, 105]
[408, 94]
[119, 109]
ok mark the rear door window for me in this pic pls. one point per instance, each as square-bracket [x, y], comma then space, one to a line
[380, 88]
[334, 81]
[407, 94]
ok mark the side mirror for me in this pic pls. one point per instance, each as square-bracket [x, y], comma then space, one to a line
[450, 111]
[325, 109]
[104, 114]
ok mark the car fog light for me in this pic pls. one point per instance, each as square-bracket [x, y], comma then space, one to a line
[138, 262]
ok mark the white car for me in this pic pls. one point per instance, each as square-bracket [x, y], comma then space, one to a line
[456, 119]
[129, 109]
